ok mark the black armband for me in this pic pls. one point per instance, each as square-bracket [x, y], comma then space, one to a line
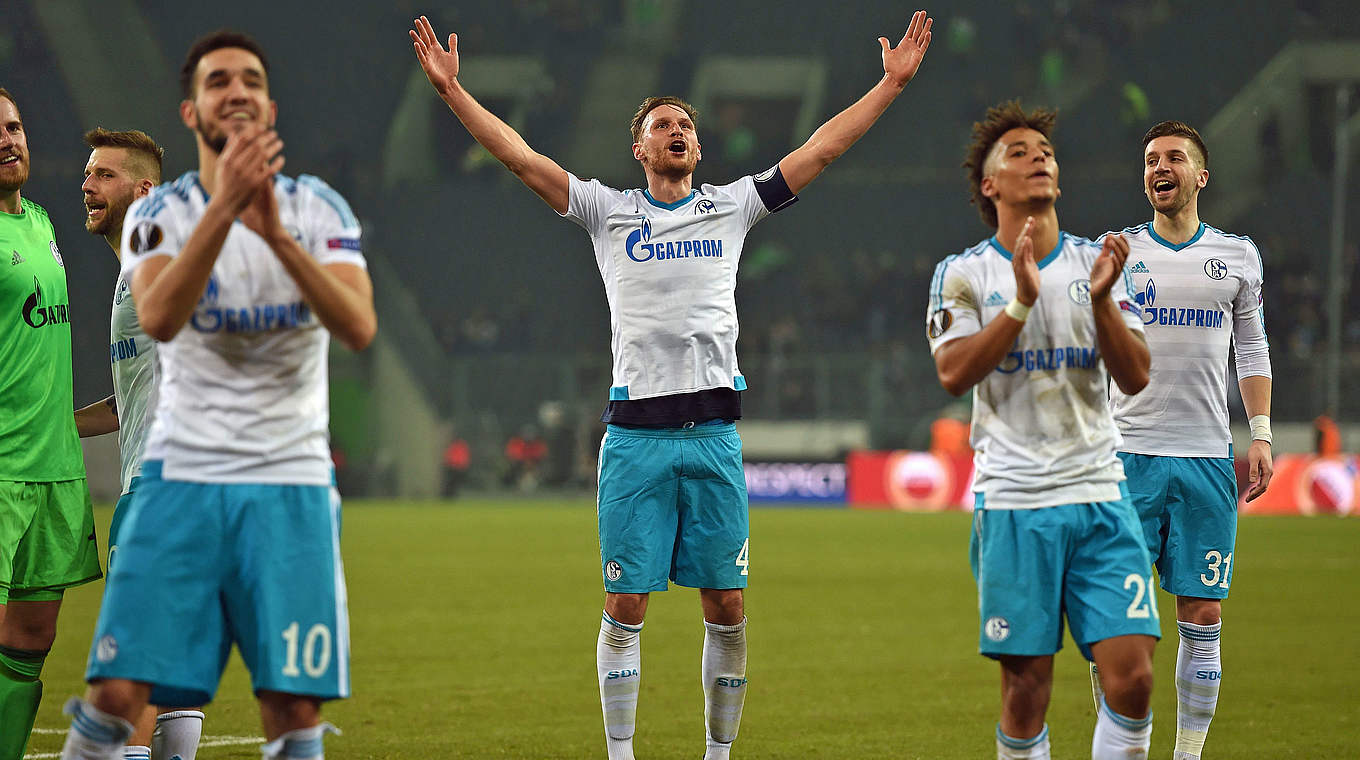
[773, 189]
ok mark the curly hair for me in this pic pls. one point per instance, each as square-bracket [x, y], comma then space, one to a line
[1179, 129]
[999, 120]
[664, 100]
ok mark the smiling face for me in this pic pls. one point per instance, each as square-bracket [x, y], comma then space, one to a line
[230, 92]
[109, 189]
[13, 148]
[669, 143]
[1021, 169]
[1173, 173]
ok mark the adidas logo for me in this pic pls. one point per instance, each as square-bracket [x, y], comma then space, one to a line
[995, 299]
[1139, 268]
[16, 260]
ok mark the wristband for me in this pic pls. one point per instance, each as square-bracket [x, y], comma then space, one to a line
[1017, 311]
[1260, 427]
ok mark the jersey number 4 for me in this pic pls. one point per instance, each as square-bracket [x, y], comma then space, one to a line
[744, 557]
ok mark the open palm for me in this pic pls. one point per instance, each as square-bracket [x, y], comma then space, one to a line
[901, 62]
[441, 66]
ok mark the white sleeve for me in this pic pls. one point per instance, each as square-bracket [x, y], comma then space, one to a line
[1250, 345]
[151, 228]
[333, 233]
[588, 203]
[952, 311]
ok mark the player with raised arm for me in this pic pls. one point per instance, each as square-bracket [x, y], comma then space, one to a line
[1200, 289]
[242, 275]
[1035, 320]
[125, 166]
[47, 539]
[672, 495]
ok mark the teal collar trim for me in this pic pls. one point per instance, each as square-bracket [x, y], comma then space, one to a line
[1152, 230]
[1045, 261]
[669, 206]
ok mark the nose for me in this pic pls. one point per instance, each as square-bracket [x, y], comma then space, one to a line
[6, 139]
[88, 185]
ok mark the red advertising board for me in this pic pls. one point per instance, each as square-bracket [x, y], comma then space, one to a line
[909, 480]
[1304, 484]
[916, 480]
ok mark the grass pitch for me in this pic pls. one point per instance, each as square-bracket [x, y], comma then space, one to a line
[474, 629]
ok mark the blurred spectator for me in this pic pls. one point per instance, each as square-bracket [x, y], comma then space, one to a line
[1328, 436]
[524, 453]
[457, 457]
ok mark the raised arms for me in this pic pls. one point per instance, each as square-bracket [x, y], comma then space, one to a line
[840, 132]
[540, 173]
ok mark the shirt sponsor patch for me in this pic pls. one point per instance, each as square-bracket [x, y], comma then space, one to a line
[351, 244]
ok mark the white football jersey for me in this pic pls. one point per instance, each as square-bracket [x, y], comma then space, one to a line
[136, 377]
[243, 392]
[1042, 433]
[1197, 298]
[670, 274]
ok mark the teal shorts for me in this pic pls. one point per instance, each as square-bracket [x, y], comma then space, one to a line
[672, 504]
[1188, 506]
[119, 512]
[1085, 561]
[202, 566]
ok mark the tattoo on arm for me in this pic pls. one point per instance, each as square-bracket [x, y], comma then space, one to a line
[113, 405]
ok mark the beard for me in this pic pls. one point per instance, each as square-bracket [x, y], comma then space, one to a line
[13, 176]
[1172, 206]
[112, 219]
[215, 140]
[667, 165]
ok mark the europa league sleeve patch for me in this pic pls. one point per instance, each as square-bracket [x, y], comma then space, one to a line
[146, 236]
[939, 323]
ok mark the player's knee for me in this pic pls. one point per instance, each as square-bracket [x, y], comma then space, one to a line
[723, 606]
[117, 696]
[1130, 685]
[1199, 611]
[289, 711]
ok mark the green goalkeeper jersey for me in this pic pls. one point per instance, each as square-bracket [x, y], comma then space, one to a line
[38, 440]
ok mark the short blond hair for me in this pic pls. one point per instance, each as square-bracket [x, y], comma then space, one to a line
[148, 158]
[650, 104]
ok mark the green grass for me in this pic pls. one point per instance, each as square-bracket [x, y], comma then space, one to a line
[474, 635]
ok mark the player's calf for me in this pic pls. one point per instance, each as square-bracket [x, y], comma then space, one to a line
[618, 662]
[177, 734]
[724, 676]
[94, 734]
[299, 744]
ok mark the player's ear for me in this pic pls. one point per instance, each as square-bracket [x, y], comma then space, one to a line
[1203, 179]
[637, 151]
[188, 114]
[144, 186]
[988, 187]
[273, 114]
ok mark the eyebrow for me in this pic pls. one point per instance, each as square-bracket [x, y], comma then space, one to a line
[246, 72]
[1024, 144]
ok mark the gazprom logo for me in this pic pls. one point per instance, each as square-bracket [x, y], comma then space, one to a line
[642, 234]
[1175, 316]
[639, 247]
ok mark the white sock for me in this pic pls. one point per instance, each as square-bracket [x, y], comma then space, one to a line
[94, 734]
[724, 674]
[136, 752]
[1199, 671]
[299, 744]
[1008, 748]
[1097, 691]
[1120, 738]
[618, 662]
[176, 735]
